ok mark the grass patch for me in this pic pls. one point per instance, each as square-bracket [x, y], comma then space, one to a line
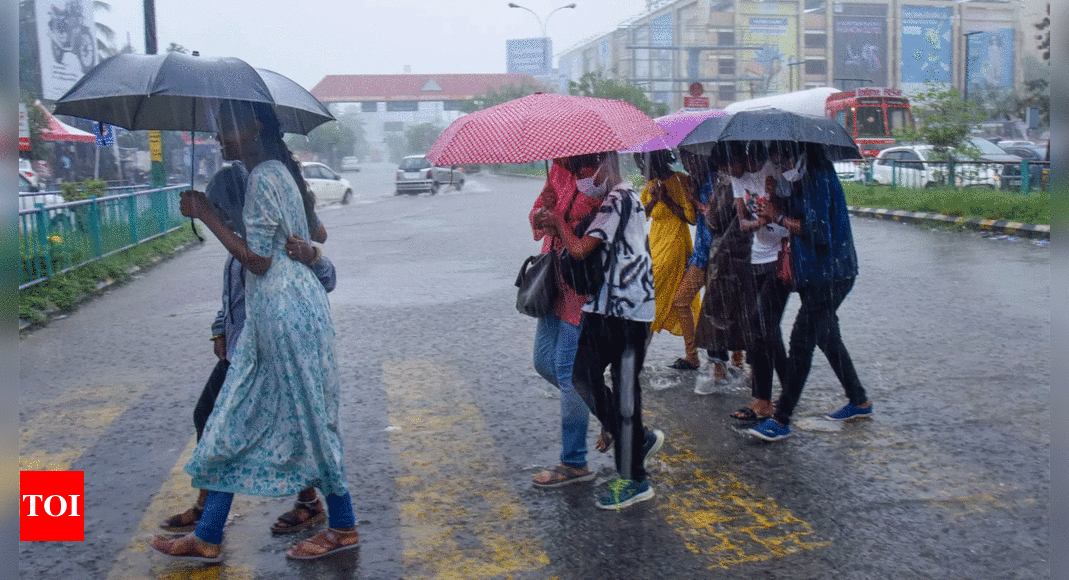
[64, 292]
[1033, 208]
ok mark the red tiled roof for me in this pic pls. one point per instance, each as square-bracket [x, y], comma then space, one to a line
[409, 87]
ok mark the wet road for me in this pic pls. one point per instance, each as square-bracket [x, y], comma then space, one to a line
[445, 419]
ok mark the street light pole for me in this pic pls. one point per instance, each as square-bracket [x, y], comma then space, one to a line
[541, 24]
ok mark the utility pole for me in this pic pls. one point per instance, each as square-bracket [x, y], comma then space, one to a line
[155, 138]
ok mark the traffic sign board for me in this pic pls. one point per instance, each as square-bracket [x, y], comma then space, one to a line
[696, 102]
[696, 89]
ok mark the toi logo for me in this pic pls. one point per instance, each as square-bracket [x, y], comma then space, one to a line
[51, 506]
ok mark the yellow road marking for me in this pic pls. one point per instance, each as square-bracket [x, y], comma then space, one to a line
[454, 526]
[57, 432]
[721, 517]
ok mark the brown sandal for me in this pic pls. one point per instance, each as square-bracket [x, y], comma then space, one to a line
[304, 514]
[183, 522]
[604, 442]
[561, 475]
[187, 547]
[326, 542]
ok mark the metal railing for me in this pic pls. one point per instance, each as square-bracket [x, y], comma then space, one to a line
[54, 239]
[1023, 177]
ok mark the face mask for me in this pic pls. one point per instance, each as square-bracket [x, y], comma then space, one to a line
[588, 188]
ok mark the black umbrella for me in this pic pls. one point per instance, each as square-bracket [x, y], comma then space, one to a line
[178, 92]
[774, 125]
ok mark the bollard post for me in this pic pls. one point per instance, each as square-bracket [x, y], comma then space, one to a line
[950, 170]
[42, 239]
[894, 173]
[1026, 178]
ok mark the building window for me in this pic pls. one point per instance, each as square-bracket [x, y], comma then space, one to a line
[396, 106]
[453, 105]
[393, 126]
[816, 39]
[816, 66]
[725, 67]
[725, 38]
[369, 107]
[725, 93]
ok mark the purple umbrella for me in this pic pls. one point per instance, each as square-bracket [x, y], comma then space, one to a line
[678, 125]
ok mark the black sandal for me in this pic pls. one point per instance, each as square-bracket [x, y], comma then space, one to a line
[183, 522]
[292, 521]
[683, 364]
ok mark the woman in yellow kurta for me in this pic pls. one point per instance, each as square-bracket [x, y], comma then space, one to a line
[670, 211]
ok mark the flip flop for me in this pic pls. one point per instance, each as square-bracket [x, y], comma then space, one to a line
[561, 475]
[748, 414]
[683, 364]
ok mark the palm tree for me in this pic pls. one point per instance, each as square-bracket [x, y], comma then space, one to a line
[105, 35]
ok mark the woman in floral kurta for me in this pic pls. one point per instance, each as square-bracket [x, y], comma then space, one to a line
[274, 428]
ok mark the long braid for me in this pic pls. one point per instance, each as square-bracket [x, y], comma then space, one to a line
[271, 131]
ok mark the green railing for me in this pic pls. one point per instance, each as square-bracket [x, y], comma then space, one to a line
[56, 238]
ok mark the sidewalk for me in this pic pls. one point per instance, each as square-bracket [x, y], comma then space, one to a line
[1002, 227]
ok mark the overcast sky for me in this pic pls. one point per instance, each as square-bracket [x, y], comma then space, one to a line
[309, 39]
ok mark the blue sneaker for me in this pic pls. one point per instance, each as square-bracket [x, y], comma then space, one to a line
[651, 444]
[851, 412]
[625, 492]
[770, 430]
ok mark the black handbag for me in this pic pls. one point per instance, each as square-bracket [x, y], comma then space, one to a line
[587, 276]
[537, 285]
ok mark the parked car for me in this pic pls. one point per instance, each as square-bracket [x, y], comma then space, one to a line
[1037, 172]
[26, 170]
[350, 164]
[328, 186]
[30, 197]
[415, 174]
[1010, 172]
[918, 166]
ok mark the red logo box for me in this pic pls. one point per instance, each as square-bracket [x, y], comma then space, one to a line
[51, 506]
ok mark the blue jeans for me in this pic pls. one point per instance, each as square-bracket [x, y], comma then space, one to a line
[554, 356]
[217, 507]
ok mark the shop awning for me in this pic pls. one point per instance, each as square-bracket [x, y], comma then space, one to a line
[57, 130]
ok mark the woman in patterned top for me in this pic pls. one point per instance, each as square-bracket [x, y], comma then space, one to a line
[615, 321]
[274, 428]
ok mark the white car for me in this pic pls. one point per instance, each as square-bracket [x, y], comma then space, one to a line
[917, 166]
[415, 174]
[350, 164]
[26, 170]
[31, 198]
[328, 186]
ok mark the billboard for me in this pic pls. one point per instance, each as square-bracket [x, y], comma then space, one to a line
[532, 56]
[990, 65]
[861, 44]
[67, 42]
[926, 46]
[773, 27]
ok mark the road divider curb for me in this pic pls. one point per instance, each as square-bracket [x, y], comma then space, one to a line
[1041, 231]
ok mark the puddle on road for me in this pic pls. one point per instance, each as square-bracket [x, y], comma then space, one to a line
[816, 424]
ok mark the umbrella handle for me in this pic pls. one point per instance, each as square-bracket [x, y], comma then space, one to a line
[193, 165]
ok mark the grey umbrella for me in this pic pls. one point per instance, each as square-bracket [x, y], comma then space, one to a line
[179, 92]
[774, 125]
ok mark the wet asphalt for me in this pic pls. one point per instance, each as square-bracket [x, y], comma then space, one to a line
[445, 420]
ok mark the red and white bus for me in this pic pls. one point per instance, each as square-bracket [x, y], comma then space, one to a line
[871, 116]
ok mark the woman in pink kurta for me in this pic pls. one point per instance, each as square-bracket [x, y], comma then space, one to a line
[557, 335]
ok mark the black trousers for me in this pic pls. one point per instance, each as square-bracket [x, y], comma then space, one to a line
[768, 352]
[206, 402]
[817, 324]
[603, 342]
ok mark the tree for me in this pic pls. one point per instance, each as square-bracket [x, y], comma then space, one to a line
[944, 120]
[419, 138]
[593, 85]
[1039, 88]
[175, 47]
[105, 35]
[500, 95]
